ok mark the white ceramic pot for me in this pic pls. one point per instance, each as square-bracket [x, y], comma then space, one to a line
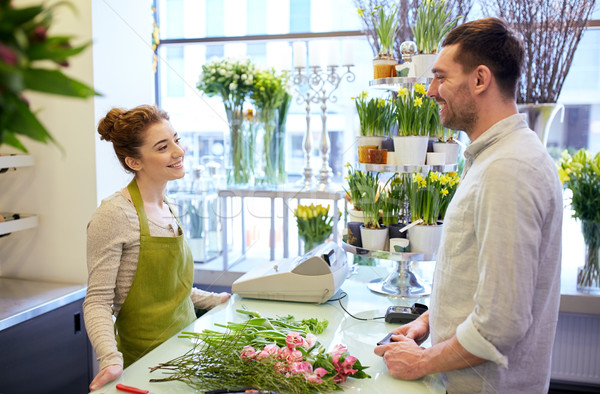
[422, 64]
[374, 238]
[369, 140]
[436, 158]
[424, 238]
[355, 216]
[410, 150]
[451, 149]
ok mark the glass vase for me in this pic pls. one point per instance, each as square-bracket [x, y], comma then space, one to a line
[268, 171]
[238, 167]
[588, 276]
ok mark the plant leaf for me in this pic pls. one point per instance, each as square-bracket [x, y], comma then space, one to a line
[55, 82]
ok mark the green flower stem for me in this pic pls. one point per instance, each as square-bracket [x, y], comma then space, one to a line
[590, 275]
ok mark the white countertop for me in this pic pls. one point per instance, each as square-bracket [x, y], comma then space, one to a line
[359, 336]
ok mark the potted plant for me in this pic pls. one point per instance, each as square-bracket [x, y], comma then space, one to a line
[433, 22]
[418, 118]
[314, 225]
[550, 36]
[392, 206]
[31, 60]
[386, 26]
[428, 198]
[372, 233]
[268, 94]
[447, 144]
[580, 174]
[233, 81]
[354, 179]
[377, 119]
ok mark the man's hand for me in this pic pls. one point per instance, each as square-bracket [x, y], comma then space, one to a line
[402, 357]
[417, 329]
[108, 374]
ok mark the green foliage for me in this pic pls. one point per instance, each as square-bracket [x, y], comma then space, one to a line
[416, 113]
[432, 24]
[376, 115]
[314, 223]
[581, 174]
[26, 51]
[429, 196]
[393, 199]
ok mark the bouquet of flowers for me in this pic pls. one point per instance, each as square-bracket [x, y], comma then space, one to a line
[29, 60]
[580, 173]
[233, 81]
[432, 24]
[314, 224]
[268, 95]
[416, 113]
[376, 115]
[429, 196]
[279, 354]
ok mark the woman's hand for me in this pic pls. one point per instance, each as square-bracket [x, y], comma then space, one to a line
[108, 374]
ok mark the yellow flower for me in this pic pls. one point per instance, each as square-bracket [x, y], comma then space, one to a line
[380, 103]
[563, 175]
[444, 192]
[402, 92]
[361, 12]
[420, 88]
[418, 102]
[363, 95]
[434, 176]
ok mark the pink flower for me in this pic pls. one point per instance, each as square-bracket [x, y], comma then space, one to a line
[309, 341]
[303, 367]
[247, 353]
[293, 340]
[339, 378]
[271, 349]
[281, 367]
[263, 355]
[314, 378]
[339, 348]
[7, 55]
[290, 355]
[320, 372]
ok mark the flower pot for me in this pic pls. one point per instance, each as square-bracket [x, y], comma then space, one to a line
[540, 117]
[384, 67]
[436, 158]
[355, 216]
[354, 237]
[377, 156]
[364, 143]
[394, 230]
[588, 276]
[451, 149]
[425, 238]
[410, 150]
[374, 238]
[422, 64]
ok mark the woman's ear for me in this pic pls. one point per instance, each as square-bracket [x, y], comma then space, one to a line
[132, 163]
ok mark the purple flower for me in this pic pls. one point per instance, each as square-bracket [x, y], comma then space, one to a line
[7, 55]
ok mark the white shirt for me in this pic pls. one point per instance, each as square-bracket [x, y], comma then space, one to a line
[497, 278]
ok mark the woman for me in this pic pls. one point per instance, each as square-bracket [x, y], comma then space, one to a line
[140, 267]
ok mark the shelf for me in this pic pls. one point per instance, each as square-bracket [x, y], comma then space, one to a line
[13, 161]
[423, 169]
[24, 223]
[398, 82]
[386, 255]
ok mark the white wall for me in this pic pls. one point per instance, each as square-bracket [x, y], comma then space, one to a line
[64, 189]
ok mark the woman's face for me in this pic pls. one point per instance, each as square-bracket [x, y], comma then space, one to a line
[161, 155]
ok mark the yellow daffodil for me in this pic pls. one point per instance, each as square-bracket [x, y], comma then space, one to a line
[418, 102]
[402, 92]
[420, 88]
[361, 12]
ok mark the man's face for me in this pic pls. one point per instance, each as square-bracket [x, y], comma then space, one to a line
[450, 88]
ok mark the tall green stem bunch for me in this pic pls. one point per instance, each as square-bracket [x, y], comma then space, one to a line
[366, 193]
[580, 173]
[416, 113]
[432, 24]
[376, 115]
[386, 26]
[429, 196]
[393, 199]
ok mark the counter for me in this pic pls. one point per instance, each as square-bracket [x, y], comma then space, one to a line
[21, 300]
[359, 336]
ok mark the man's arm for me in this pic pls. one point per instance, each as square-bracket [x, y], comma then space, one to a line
[407, 360]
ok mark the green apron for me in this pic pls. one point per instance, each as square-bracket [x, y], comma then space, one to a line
[158, 304]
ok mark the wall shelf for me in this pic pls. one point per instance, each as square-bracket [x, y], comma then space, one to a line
[24, 223]
[13, 161]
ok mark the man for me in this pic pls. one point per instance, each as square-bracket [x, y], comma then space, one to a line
[496, 287]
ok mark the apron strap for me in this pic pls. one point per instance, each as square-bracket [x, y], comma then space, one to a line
[136, 197]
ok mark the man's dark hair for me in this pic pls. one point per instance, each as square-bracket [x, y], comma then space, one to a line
[489, 42]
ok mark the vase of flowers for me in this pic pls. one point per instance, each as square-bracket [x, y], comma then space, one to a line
[417, 117]
[447, 144]
[386, 26]
[32, 60]
[428, 198]
[232, 80]
[377, 119]
[314, 225]
[268, 95]
[372, 233]
[580, 173]
[433, 22]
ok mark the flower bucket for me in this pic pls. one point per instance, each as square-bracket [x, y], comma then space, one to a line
[374, 238]
[588, 276]
[240, 164]
[423, 63]
[451, 149]
[410, 150]
[425, 238]
[384, 67]
[355, 216]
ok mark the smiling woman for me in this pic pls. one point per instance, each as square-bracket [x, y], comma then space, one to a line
[135, 243]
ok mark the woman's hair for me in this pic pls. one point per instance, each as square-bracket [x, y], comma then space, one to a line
[492, 43]
[126, 129]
